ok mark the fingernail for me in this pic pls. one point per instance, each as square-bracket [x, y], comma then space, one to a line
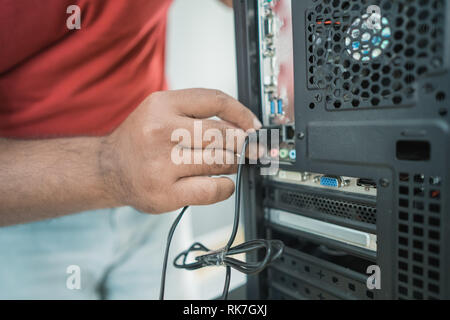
[257, 124]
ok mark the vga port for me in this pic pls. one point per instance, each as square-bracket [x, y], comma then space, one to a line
[331, 181]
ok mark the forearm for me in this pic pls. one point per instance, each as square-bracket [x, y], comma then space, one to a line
[132, 166]
[43, 179]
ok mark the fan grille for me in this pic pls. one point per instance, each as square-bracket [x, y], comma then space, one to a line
[407, 44]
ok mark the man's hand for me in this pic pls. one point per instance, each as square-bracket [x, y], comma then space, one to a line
[136, 158]
[228, 3]
[46, 178]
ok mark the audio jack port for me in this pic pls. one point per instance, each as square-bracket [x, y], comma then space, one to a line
[284, 153]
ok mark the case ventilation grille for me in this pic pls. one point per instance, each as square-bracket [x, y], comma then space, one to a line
[339, 208]
[360, 68]
[419, 235]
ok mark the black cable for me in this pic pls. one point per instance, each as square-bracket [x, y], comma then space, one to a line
[273, 248]
[226, 286]
[166, 255]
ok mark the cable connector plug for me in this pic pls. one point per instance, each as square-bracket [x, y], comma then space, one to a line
[214, 258]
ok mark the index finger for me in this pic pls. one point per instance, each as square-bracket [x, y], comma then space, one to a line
[207, 103]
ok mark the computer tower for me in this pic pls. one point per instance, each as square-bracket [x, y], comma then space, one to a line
[360, 91]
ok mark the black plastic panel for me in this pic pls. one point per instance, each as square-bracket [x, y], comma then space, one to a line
[358, 212]
[310, 277]
[385, 134]
[385, 119]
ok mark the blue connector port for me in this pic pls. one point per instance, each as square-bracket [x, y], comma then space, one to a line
[292, 154]
[272, 107]
[280, 106]
[330, 181]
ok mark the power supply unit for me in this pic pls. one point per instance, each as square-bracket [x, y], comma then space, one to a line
[360, 91]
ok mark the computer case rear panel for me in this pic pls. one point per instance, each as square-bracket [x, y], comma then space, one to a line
[360, 91]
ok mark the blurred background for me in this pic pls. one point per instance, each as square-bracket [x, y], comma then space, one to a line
[201, 53]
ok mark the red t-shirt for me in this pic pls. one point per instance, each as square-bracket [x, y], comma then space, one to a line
[60, 82]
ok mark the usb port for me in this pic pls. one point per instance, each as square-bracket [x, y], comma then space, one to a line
[280, 106]
[272, 106]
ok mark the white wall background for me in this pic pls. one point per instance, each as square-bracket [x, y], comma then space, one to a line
[201, 53]
[201, 49]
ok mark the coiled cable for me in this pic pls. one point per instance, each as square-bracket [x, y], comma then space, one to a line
[223, 257]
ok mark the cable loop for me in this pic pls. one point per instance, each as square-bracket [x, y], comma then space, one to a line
[223, 257]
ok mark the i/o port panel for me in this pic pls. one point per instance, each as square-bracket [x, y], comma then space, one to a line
[286, 151]
[277, 74]
[276, 61]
